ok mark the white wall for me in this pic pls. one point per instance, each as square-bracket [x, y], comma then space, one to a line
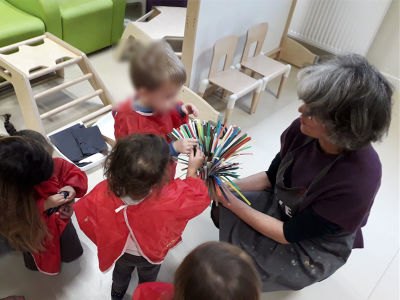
[385, 49]
[219, 18]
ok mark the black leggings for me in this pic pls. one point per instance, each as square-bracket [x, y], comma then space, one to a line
[70, 247]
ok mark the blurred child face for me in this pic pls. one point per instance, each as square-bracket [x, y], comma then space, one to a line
[162, 99]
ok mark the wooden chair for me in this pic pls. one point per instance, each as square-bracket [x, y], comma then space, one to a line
[41, 56]
[161, 22]
[231, 80]
[206, 111]
[258, 63]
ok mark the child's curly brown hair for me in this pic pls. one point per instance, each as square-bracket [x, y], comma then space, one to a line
[137, 164]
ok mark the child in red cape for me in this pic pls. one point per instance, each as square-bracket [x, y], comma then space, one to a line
[136, 216]
[212, 271]
[157, 75]
[54, 198]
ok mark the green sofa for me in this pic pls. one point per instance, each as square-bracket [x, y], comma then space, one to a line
[16, 25]
[88, 25]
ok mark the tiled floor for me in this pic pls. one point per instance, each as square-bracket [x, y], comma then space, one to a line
[371, 273]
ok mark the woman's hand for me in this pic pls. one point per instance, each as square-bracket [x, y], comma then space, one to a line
[190, 109]
[54, 201]
[71, 192]
[196, 160]
[184, 146]
[263, 223]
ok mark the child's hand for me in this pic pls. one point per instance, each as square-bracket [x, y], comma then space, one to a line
[54, 201]
[66, 211]
[184, 146]
[190, 109]
[195, 162]
[71, 192]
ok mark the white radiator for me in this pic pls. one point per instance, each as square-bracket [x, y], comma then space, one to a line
[338, 26]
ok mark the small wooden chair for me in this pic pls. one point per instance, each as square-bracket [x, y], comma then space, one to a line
[43, 55]
[206, 111]
[260, 64]
[231, 80]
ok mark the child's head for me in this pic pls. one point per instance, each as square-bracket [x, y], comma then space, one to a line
[157, 75]
[136, 165]
[34, 135]
[217, 271]
[24, 163]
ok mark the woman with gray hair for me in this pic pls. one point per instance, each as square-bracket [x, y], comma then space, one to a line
[309, 207]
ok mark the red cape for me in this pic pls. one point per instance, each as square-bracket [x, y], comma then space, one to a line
[156, 224]
[154, 291]
[129, 121]
[64, 173]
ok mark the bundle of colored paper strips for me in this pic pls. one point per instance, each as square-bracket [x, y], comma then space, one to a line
[220, 145]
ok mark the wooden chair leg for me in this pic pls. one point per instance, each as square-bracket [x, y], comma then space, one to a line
[281, 83]
[228, 114]
[255, 100]
[229, 109]
[27, 103]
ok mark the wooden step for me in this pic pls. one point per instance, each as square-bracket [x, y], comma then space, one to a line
[57, 67]
[71, 104]
[90, 118]
[63, 86]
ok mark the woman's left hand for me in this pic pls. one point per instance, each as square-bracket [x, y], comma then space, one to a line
[230, 199]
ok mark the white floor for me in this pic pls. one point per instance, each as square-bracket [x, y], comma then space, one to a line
[371, 273]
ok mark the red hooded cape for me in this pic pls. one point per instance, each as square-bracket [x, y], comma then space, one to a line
[64, 173]
[129, 121]
[154, 291]
[155, 224]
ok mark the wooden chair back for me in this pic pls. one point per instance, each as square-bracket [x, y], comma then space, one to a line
[255, 34]
[206, 111]
[223, 49]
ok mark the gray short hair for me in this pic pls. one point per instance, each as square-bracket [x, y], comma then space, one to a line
[351, 97]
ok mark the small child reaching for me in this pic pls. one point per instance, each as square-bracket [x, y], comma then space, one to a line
[54, 199]
[157, 75]
[136, 215]
[212, 271]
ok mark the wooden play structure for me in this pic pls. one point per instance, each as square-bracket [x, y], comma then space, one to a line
[45, 55]
[258, 63]
[231, 80]
[162, 22]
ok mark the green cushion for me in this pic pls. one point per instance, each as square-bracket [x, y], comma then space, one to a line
[87, 24]
[16, 26]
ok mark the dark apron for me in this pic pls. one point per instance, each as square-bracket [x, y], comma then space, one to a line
[293, 266]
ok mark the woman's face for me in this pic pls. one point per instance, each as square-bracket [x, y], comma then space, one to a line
[310, 125]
